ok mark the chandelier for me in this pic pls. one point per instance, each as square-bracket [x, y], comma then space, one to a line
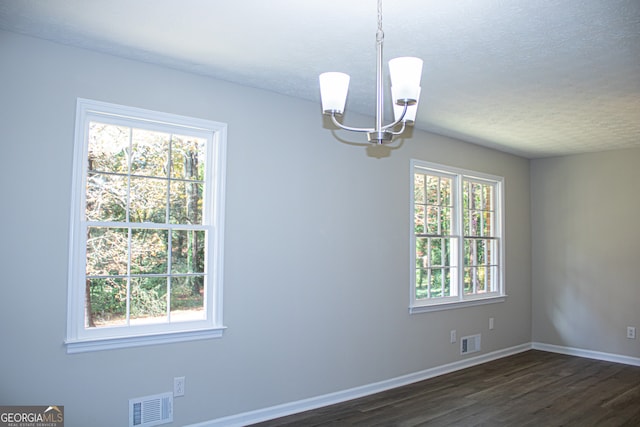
[405, 73]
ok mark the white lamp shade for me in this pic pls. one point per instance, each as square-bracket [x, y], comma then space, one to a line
[410, 116]
[405, 73]
[333, 91]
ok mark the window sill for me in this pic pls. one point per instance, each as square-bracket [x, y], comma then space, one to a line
[456, 304]
[82, 346]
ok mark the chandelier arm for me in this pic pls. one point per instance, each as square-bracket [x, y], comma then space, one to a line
[392, 125]
[401, 129]
[341, 126]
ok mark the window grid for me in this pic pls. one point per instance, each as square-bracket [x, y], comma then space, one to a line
[134, 226]
[456, 223]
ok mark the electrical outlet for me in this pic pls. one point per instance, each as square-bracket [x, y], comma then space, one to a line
[453, 336]
[631, 332]
[490, 323]
[178, 386]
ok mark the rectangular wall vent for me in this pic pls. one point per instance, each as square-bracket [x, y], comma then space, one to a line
[152, 410]
[470, 344]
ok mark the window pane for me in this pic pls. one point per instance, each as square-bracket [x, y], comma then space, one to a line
[436, 252]
[148, 200]
[481, 251]
[467, 256]
[445, 191]
[186, 203]
[419, 219]
[445, 221]
[476, 196]
[481, 277]
[433, 217]
[435, 283]
[187, 158]
[422, 277]
[469, 280]
[148, 299]
[465, 222]
[150, 153]
[108, 302]
[465, 195]
[478, 215]
[187, 298]
[422, 250]
[474, 280]
[446, 284]
[187, 251]
[149, 251]
[476, 252]
[108, 148]
[106, 197]
[446, 252]
[488, 197]
[418, 188]
[487, 220]
[107, 251]
[474, 223]
[433, 189]
[440, 283]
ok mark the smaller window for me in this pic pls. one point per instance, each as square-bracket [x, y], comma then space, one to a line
[456, 237]
[146, 228]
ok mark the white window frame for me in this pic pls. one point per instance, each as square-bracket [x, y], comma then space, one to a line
[458, 298]
[82, 339]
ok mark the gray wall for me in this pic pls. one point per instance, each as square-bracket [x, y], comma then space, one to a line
[316, 260]
[586, 243]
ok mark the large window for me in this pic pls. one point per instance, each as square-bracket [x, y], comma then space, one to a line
[146, 228]
[457, 243]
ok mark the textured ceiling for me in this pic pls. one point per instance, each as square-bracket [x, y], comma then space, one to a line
[532, 77]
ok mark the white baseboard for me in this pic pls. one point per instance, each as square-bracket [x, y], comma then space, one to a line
[283, 410]
[589, 354]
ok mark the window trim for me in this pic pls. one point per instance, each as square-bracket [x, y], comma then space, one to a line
[81, 339]
[460, 300]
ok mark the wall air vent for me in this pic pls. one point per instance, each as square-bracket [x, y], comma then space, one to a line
[470, 344]
[152, 410]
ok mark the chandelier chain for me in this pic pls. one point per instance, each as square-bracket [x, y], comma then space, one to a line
[379, 33]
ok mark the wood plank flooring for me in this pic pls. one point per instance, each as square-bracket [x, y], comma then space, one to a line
[533, 388]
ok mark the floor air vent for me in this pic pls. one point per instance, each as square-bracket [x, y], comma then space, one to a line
[470, 344]
[150, 411]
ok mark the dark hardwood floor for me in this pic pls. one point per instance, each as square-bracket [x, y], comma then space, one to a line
[533, 388]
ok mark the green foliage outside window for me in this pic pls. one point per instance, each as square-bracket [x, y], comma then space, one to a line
[142, 185]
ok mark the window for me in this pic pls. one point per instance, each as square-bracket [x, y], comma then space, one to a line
[147, 220]
[457, 243]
